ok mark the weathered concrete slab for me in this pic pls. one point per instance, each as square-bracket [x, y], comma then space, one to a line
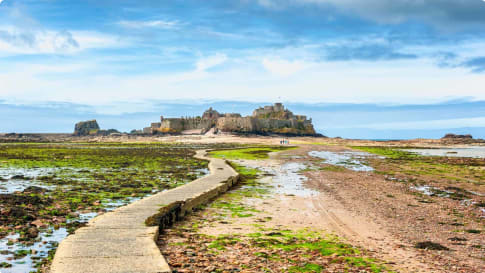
[121, 242]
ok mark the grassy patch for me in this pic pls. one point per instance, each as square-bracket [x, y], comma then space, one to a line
[256, 153]
[221, 242]
[279, 245]
[450, 170]
[387, 152]
[249, 186]
[308, 267]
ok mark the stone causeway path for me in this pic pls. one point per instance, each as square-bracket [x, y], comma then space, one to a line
[120, 242]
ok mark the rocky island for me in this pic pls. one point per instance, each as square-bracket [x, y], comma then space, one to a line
[272, 119]
[91, 128]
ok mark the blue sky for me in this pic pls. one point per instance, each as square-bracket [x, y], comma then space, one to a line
[124, 57]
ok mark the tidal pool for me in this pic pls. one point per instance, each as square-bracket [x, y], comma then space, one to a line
[475, 152]
[349, 160]
[28, 255]
[18, 179]
[286, 178]
[289, 180]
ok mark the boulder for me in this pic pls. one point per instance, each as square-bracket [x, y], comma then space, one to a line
[32, 232]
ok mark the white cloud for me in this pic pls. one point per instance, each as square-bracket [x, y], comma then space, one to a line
[15, 40]
[150, 24]
[208, 62]
[282, 67]
[391, 81]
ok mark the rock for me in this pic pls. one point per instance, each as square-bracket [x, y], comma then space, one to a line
[430, 246]
[85, 128]
[19, 177]
[17, 212]
[34, 189]
[39, 224]
[32, 232]
[91, 128]
[73, 214]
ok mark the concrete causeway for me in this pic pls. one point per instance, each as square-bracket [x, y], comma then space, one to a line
[121, 241]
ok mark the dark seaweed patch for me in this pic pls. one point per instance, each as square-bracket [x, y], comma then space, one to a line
[430, 246]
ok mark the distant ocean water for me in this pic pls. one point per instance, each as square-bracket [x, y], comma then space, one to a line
[385, 139]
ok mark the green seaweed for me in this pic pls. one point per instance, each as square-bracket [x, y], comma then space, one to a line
[255, 153]
[303, 242]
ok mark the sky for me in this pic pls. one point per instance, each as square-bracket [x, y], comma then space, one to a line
[126, 61]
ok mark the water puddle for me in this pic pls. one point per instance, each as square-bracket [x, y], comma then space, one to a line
[28, 256]
[12, 179]
[431, 191]
[289, 180]
[464, 196]
[13, 185]
[286, 179]
[452, 192]
[349, 160]
[113, 204]
[475, 152]
[26, 174]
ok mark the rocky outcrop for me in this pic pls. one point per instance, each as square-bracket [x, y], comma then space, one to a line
[274, 119]
[460, 139]
[86, 128]
[91, 128]
[453, 136]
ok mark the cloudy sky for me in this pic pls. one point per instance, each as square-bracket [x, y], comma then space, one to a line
[118, 57]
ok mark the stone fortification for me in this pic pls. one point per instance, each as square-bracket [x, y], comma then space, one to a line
[274, 119]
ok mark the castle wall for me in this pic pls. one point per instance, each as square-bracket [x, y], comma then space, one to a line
[236, 124]
[172, 123]
[259, 125]
[182, 124]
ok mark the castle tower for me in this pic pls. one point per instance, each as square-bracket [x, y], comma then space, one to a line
[278, 107]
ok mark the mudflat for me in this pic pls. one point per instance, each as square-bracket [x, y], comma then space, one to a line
[399, 211]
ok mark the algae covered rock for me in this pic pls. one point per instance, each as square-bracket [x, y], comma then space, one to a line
[85, 128]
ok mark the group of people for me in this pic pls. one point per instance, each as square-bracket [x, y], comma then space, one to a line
[285, 141]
